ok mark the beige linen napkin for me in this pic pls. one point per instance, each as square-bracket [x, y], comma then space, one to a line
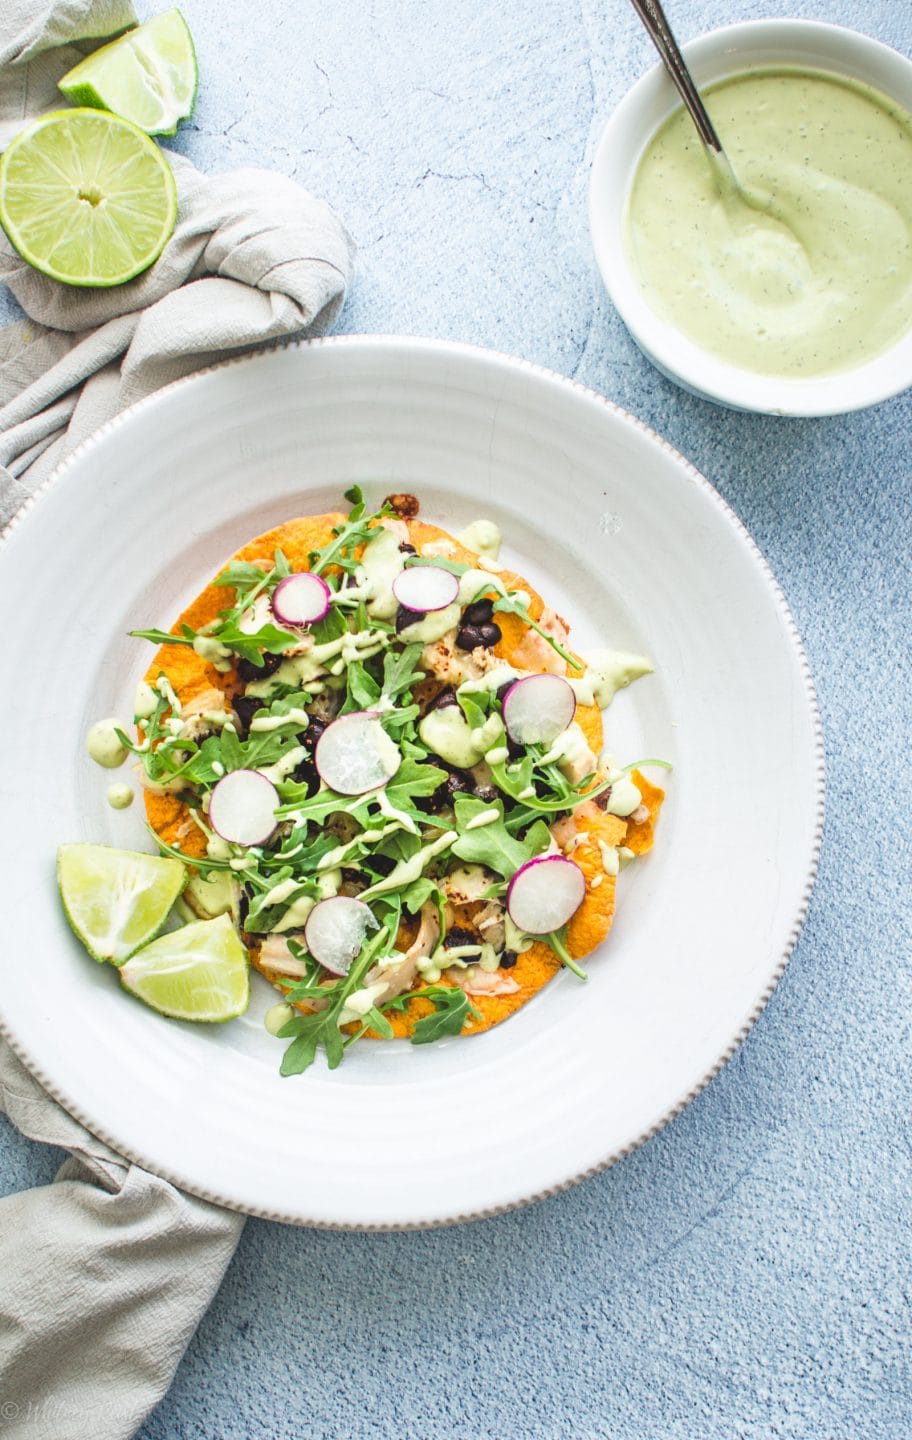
[104, 1274]
[253, 258]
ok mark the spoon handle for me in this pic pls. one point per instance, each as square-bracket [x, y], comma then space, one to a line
[659, 31]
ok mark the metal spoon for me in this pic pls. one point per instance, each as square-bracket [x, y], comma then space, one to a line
[659, 31]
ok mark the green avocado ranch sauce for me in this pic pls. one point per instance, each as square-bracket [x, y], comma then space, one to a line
[807, 271]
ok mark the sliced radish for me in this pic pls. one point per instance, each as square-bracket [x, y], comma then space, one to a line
[544, 893]
[538, 708]
[335, 931]
[425, 587]
[301, 599]
[242, 807]
[354, 754]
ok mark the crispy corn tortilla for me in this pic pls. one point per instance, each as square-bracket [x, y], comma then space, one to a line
[190, 676]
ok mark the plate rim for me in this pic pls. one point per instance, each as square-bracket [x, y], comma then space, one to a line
[518, 364]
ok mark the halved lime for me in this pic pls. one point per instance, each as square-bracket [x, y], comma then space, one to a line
[200, 972]
[148, 76]
[86, 197]
[116, 900]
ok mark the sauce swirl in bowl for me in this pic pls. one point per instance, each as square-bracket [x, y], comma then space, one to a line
[810, 271]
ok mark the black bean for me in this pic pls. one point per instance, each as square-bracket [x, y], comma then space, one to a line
[313, 732]
[407, 549]
[468, 637]
[487, 793]
[381, 864]
[502, 690]
[243, 907]
[245, 708]
[478, 613]
[405, 618]
[247, 671]
[508, 960]
[514, 749]
[443, 700]
[491, 635]
[602, 799]
[458, 783]
[306, 774]
[458, 935]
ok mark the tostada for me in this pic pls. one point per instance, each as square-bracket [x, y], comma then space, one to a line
[380, 755]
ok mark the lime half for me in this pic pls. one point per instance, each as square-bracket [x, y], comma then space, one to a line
[86, 197]
[116, 900]
[198, 973]
[148, 76]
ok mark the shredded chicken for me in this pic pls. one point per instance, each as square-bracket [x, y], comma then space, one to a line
[489, 921]
[466, 883]
[482, 982]
[397, 528]
[451, 665]
[400, 977]
[276, 958]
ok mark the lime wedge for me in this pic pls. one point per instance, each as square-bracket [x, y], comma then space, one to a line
[116, 900]
[148, 76]
[86, 197]
[198, 973]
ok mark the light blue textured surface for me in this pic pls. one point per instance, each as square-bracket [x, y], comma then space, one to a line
[745, 1275]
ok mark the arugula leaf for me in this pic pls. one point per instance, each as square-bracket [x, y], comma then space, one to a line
[363, 691]
[455, 567]
[492, 845]
[320, 1030]
[331, 627]
[164, 637]
[240, 575]
[400, 671]
[452, 1007]
[517, 778]
[250, 647]
[312, 1033]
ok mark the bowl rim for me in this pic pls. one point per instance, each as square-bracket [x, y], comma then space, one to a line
[499, 360]
[674, 354]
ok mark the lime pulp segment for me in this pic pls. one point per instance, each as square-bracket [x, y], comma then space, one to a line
[200, 972]
[116, 900]
[86, 197]
[148, 76]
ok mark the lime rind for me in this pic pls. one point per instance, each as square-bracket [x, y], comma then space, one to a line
[148, 76]
[86, 197]
[200, 972]
[116, 901]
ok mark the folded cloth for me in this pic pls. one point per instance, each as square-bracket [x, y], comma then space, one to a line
[253, 258]
[105, 1273]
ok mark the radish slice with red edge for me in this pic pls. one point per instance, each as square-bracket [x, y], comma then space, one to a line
[354, 754]
[545, 893]
[242, 807]
[301, 599]
[336, 930]
[538, 708]
[425, 587]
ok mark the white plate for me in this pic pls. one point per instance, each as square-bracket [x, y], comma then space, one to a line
[638, 552]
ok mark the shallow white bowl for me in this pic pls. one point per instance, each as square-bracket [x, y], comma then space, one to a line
[627, 542]
[714, 57]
